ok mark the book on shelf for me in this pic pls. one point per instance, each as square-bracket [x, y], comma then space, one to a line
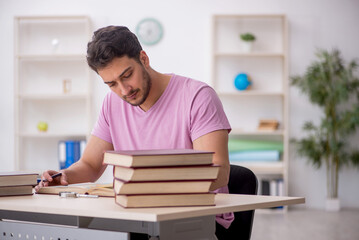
[17, 178]
[160, 157]
[255, 155]
[69, 152]
[16, 190]
[265, 187]
[166, 200]
[192, 172]
[237, 145]
[162, 187]
[272, 187]
[104, 190]
[268, 125]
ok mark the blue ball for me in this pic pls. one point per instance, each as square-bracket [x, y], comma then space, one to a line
[242, 81]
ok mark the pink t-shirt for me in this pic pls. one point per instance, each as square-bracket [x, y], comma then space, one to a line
[186, 110]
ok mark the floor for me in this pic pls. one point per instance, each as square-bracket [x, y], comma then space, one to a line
[307, 225]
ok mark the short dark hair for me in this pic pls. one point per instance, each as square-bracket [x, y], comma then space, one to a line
[110, 42]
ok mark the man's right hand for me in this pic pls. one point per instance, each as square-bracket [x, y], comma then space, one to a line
[61, 180]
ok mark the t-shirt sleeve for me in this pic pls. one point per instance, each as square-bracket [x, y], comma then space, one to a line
[207, 114]
[102, 126]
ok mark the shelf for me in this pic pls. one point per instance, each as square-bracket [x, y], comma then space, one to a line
[250, 93]
[239, 132]
[266, 64]
[263, 168]
[52, 96]
[52, 84]
[253, 54]
[245, 16]
[53, 57]
[52, 135]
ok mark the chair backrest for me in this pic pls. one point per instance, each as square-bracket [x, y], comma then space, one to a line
[241, 181]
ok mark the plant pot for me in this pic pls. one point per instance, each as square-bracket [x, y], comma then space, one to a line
[247, 46]
[332, 204]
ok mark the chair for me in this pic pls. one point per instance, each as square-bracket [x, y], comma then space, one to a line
[241, 181]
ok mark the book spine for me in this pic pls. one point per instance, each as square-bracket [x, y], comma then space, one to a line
[70, 158]
[77, 151]
[72, 151]
[265, 187]
[273, 188]
[62, 154]
[82, 147]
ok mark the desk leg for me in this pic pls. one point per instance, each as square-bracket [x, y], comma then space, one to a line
[191, 228]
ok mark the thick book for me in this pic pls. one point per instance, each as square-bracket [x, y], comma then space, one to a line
[193, 172]
[200, 186]
[166, 200]
[104, 190]
[15, 190]
[17, 178]
[160, 157]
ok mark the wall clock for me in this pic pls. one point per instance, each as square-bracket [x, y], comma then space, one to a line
[149, 31]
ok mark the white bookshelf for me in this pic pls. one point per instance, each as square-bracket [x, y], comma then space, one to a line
[49, 50]
[267, 98]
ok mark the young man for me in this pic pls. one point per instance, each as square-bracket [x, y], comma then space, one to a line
[146, 109]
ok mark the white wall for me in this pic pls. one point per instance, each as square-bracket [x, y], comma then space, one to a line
[185, 50]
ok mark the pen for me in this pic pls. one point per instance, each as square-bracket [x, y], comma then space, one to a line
[53, 176]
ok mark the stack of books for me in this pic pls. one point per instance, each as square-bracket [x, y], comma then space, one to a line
[162, 178]
[17, 183]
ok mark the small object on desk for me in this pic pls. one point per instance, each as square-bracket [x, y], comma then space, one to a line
[268, 125]
[76, 195]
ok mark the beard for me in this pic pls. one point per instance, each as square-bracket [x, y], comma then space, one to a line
[146, 87]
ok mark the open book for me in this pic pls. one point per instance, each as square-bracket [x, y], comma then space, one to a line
[105, 190]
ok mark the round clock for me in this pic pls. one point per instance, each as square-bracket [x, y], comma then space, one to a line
[149, 31]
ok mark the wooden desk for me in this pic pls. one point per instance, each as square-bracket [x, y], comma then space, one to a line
[85, 218]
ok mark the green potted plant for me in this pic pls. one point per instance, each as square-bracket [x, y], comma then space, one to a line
[331, 85]
[247, 40]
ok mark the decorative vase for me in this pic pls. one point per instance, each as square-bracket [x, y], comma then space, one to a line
[332, 204]
[247, 46]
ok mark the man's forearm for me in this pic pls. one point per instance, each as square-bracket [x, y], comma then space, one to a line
[80, 172]
[223, 177]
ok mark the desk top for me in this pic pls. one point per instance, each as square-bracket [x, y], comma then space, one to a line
[104, 207]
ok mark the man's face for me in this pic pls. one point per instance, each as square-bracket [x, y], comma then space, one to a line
[128, 79]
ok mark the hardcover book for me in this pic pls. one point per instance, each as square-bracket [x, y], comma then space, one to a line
[15, 190]
[166, 200]
[198, 172]
[201, 186]
[17, 178]
[164, 157]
